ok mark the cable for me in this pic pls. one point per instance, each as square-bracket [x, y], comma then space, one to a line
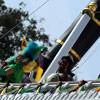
[24, 20]
[94, 51]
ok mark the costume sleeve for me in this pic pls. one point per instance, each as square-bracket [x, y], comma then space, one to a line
[11, 59]
[15, 67]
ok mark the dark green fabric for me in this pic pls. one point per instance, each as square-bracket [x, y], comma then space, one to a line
[2, 72]
[28, 90]
[83, 88]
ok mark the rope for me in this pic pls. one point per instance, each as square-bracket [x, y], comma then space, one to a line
[25, 19]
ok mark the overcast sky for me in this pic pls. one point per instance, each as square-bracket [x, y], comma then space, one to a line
[58, 15]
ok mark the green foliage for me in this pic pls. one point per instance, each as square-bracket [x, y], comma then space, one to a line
[9, 18]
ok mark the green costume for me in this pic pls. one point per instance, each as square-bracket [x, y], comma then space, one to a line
[17, 75]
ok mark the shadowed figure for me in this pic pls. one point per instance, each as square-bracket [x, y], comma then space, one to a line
[63, 72]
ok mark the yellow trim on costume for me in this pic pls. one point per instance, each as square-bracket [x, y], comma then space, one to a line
[28, 67]
[75, 54]
[20, 90]
[60, 42]
[37, 91]
[3, 91]
[24, 40]
[13, 91]
[39, 74]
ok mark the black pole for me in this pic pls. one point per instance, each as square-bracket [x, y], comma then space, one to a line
[84, 42]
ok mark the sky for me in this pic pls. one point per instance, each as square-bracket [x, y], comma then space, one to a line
[58, 15]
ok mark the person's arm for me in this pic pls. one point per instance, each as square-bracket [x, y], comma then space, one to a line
[5, 72]
[9, 71]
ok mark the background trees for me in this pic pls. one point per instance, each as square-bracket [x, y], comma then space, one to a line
[25, 27]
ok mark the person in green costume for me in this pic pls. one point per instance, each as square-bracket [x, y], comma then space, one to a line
[13, 72]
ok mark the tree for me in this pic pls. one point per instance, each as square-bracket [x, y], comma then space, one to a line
[9, 18]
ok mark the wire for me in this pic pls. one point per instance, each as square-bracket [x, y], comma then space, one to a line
[91, 54]
[24, 20]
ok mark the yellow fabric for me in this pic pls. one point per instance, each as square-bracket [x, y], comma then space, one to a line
[14, 91]
[28, 67]
[79, 89]
[57, 90]
[39, 74]
[3, 92]
[72, 89]
[24, 40]
[19, 90]
[37, 91]
[76, 87]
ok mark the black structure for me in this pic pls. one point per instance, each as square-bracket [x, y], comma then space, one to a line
[87, 38]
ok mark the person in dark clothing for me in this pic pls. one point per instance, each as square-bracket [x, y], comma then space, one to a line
[63, 72]
[64, 69]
